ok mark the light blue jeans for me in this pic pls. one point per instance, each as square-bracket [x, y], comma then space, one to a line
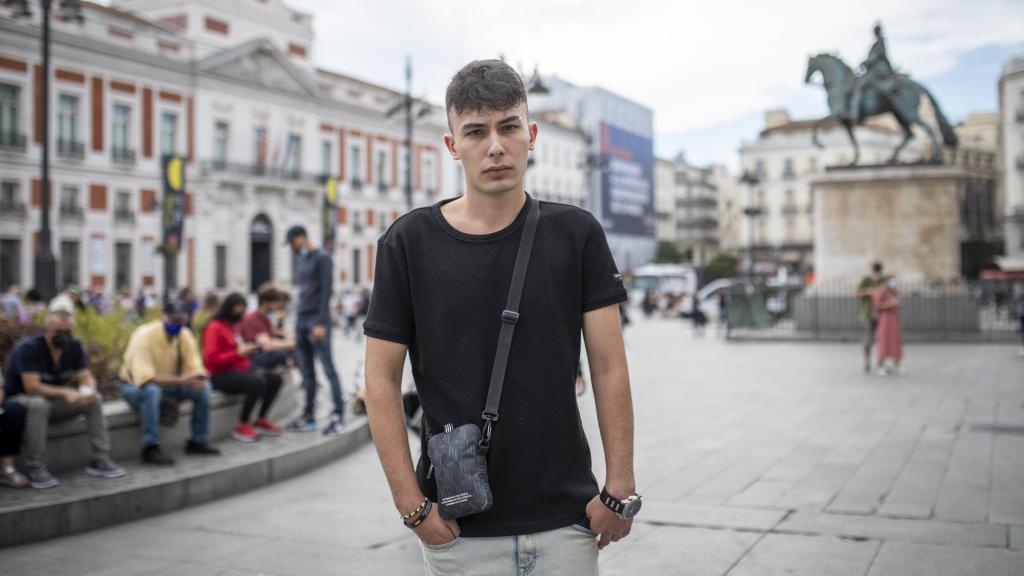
[570, 551]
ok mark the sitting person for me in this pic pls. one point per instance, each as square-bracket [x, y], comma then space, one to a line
[12, 426]
[49, 376]
[162, 362]
[227, 359]
[277, 349]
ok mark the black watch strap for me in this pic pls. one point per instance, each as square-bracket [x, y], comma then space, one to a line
[613, 503]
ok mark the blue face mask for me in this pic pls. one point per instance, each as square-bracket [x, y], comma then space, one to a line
[172, 329]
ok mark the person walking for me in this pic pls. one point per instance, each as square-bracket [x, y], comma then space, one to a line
[452, 281]
[315, 277]
[865, 292]
[890, 335]
[227, 358]
[1018, 305]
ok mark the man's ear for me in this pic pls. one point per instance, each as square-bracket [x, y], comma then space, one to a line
[449, 143]
[533, 135]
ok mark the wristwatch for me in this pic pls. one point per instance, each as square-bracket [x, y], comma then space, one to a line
[626, 509]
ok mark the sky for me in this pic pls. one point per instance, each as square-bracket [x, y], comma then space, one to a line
[707, 69]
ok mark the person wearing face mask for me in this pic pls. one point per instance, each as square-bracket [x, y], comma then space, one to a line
[228, 358]
[49, 375]
[161, 363]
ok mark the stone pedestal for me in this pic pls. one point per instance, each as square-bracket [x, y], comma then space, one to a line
[905, 216]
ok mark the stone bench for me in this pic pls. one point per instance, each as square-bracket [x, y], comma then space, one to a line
[68, 447]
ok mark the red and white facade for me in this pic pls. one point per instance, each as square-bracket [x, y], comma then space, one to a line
[235, 94]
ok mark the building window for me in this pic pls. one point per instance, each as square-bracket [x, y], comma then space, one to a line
[220, 270]
[260, 148]
[403, 167]
[10, 263]
[69, 262]
[10, 199]
[123, 265]
[357, 266]
[67, 120]
[325, 158]
[357, 223]
[123, 206]
[120, 130]
[357, 166]
[8, 114]
[168, 133]
[812, 165]
[383, 221]
[147, 264]
[382, 179]
[220, 143]
[69, 202]
[428, 176]
[293, 154]
[759, 170]
[787, 170]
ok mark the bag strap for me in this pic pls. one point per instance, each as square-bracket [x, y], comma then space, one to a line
[509, 318]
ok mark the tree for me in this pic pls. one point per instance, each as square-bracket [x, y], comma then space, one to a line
[668, 253]
[723, 266]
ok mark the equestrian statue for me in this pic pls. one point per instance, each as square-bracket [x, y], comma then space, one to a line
[854, 97]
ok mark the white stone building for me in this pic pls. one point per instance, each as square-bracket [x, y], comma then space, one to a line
[782, 160]
[557, 171]
[687, 206]
[1011, 120]
[236, 95]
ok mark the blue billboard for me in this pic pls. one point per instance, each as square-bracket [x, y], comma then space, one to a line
[627, 182]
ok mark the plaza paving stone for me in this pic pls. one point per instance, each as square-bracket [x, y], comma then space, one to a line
[754, 459]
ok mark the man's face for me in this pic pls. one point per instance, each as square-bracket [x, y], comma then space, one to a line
[56, 326]
[493, 146]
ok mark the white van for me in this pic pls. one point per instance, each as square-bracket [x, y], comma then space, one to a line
[674, 278]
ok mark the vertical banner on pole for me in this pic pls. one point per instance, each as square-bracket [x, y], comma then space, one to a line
[330, 214]
[172, 216]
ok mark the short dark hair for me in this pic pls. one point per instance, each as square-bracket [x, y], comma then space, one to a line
[484, 85]
[876, 267]
[268, 295]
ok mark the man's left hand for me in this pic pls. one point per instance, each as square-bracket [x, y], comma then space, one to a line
[606, 523]
[319, 332]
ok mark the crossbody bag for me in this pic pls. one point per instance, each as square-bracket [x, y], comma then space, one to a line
[458, 455]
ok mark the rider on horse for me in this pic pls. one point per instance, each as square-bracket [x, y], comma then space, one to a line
[878, 72]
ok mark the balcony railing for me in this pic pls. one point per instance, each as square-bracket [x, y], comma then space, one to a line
[69, 149]
[12, 141]
[12, 209]
[70, 212]
[705, 223]
[208, 168]
[126, 216]
[697, 202]
[790, 210]
[122, 155]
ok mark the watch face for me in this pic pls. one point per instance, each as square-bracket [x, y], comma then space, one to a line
[632, 508]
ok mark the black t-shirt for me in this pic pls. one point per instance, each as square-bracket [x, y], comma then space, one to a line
[441, 292]
[32, 354]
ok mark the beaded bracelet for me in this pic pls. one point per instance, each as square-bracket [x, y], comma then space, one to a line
[414, 523]
[416, 511]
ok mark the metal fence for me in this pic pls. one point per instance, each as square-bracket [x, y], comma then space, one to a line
[976, 310]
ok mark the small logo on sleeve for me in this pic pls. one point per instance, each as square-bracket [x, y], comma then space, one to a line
[617, 277]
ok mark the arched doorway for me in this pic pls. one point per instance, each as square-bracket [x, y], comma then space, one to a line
[261, 236]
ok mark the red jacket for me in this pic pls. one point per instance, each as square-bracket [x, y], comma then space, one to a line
[220, 349]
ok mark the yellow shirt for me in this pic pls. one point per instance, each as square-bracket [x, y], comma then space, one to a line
[151, 352]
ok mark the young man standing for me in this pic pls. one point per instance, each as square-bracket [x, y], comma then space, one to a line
[868, 318]
[315, 272]
[442, 277]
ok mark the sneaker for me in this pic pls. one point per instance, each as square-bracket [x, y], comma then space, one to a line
[245, 433]
[334, 426]
[41, 479]
[883, 371]
[154, 455]
[201, 449]
[104, 467]
[11, 478]
[867, 369]
[301, 424]
[266, 427]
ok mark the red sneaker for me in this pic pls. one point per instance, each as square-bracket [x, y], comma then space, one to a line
[266, 427]
[245, 433]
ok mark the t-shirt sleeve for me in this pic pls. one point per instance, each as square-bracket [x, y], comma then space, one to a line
[390, 315]
[77, 358]
[602, 283]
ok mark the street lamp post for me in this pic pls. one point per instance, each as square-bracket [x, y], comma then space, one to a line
[45, 271]
[752, 212]
[406, 105]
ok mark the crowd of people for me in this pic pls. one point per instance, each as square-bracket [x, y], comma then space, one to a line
[182, 356]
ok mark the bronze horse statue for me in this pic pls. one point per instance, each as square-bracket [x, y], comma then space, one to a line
[903, 100]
